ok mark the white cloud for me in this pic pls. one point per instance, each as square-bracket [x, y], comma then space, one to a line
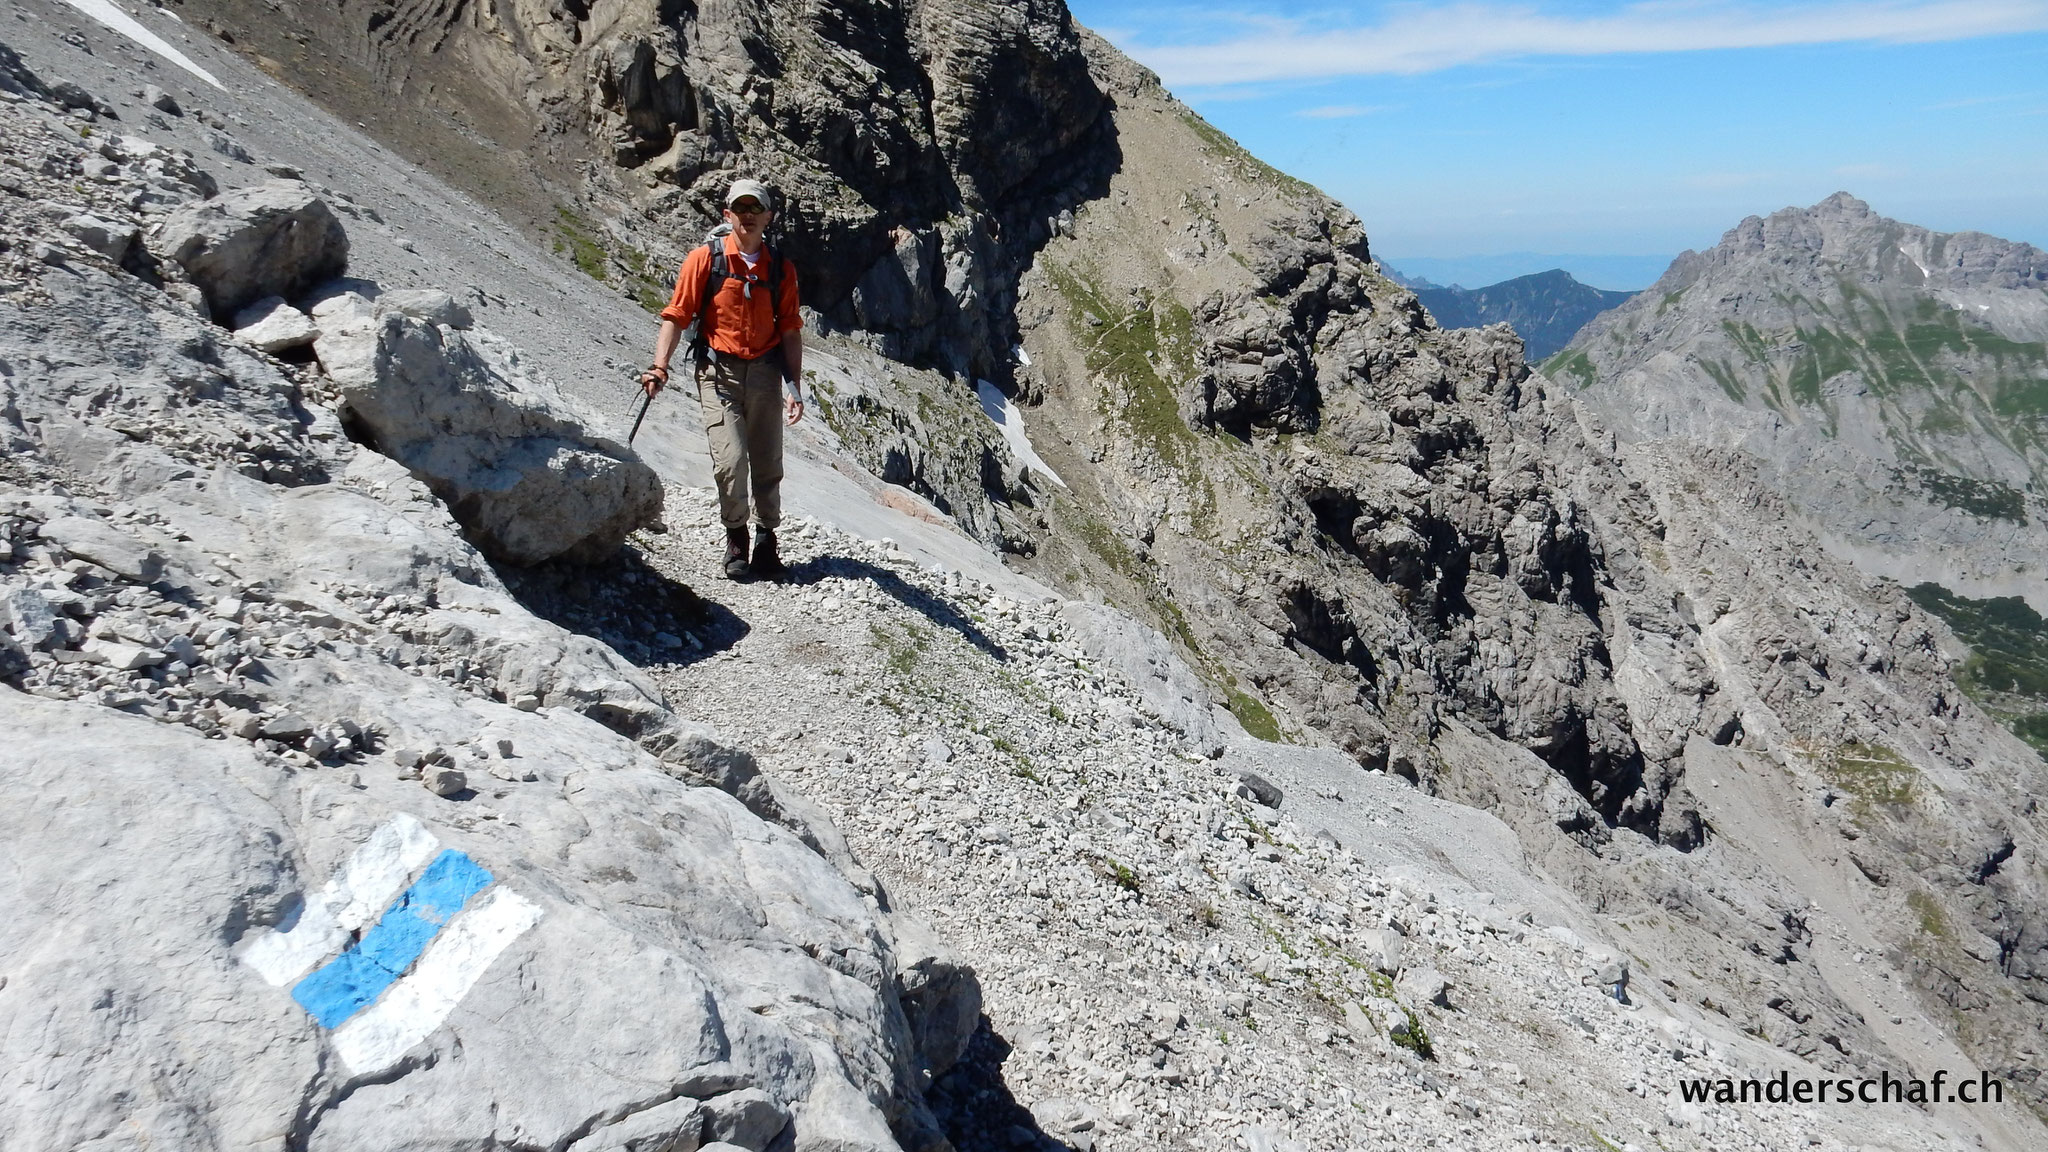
[1340, 111]
[1415, 39]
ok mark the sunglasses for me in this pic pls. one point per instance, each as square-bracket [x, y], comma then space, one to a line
[748, 208]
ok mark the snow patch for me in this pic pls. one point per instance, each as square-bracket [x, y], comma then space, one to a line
[106, 13]
[1003, 411]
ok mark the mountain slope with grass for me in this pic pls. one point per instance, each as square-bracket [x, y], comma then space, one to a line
[1890, 380]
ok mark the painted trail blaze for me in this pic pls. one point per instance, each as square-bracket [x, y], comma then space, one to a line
[353, 980]
[397, 979]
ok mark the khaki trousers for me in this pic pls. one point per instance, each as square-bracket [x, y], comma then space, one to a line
[742, 404]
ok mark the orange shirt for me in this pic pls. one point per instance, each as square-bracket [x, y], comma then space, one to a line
[737, 325]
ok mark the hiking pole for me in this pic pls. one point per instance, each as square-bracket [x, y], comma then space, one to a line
[647, 399]
[637, 419]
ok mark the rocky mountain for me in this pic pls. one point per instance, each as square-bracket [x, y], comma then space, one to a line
[1891, 382]
[1889, 377]
[1546, 309]
[1354, 746]
[1413, 283]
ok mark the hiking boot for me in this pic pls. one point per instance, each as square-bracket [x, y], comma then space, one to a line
[766, 561]
[736, 554]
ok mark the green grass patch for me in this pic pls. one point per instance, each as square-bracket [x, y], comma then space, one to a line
[1928, 910]
[1725, 375]
[1410, 1034]
[577, 237]
[1220, 145]
[1107, 546]
[2034, 730]
[903, 647]
[1872, 774]
[652, 289]
[1123, 877]
[1573, 366]
[1257, 720]
[1148, 351]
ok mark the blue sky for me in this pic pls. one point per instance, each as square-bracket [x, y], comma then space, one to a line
[1577, 126]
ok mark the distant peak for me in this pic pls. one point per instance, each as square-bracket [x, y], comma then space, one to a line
[1843, 204]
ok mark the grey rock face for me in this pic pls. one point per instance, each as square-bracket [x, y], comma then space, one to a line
[18, 78]
[964, 123]
[524, 479]
[161, 100]
[708, 974]
[271, 325]
[117, 242]
[429, 304]
[1918, 458]
[1395, 540]
[275, 239]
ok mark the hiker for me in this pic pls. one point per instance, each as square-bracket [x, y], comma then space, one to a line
[741, 295]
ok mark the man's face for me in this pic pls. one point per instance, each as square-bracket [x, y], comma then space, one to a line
[748, 217]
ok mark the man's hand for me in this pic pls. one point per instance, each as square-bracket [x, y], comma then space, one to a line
[652, 380]
[793, 409]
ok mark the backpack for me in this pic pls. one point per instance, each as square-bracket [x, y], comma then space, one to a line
[714, 242]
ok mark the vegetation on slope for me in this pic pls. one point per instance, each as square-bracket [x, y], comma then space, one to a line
[2007, 671]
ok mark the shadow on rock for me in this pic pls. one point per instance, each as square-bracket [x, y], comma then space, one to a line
[934, 609]
[974, 1107]
[644, 615]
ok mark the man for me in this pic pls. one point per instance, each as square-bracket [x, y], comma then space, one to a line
[748, 345]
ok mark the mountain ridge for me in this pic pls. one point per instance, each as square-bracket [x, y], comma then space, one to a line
[1905, 371]
[1546, 308]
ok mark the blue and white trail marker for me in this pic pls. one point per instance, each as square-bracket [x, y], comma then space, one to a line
[387, 985]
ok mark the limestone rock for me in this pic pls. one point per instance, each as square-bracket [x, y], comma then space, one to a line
[271, 325]
[940, 994]
[674, 1126]
[117, 242]
[493, 441]
[1386, 950]
[747, 1118]
[1425, 986]
[429, 304]
[104, 545]
[274, 239]
[26, 613]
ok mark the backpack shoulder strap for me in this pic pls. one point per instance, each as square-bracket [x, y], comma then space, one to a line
[775, 285]
[714, 279]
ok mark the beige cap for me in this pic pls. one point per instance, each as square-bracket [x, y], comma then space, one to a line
[754, 188]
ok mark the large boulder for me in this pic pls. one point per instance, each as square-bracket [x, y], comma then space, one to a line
[18, 78]
[499, 445]
[275, 239]
[227, 883]
[205, 904]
